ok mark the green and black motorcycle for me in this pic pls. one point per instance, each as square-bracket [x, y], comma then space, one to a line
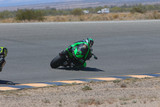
[68, 58]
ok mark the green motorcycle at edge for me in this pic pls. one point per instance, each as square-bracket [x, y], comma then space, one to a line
[75, 56]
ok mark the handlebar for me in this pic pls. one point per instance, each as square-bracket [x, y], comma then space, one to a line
[95, 57]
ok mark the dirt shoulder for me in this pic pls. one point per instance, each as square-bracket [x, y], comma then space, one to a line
[92, 17]
[119, 93]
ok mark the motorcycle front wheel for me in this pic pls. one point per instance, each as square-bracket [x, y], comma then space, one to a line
[56, 62]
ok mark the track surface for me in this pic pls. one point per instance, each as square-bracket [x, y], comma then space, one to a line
[127, 47]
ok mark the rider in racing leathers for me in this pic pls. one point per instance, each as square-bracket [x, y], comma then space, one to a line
[80, 52]
[3, 54]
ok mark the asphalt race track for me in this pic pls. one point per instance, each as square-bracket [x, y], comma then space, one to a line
[123, 47]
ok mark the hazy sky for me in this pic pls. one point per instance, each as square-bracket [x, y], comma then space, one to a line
[4, 3]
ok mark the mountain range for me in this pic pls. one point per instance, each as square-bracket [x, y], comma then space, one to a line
[70, 4]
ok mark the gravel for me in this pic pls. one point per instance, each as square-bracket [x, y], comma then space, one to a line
[124, 93]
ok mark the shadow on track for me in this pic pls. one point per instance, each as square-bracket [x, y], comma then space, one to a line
[5, 82]
[89, 69]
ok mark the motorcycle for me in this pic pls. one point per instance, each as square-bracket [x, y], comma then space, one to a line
[65, 60]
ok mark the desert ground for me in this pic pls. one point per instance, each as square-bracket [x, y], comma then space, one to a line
[131, 92]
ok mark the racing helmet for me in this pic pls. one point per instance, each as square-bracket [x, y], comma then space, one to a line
[90, 41]
[3, 51]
